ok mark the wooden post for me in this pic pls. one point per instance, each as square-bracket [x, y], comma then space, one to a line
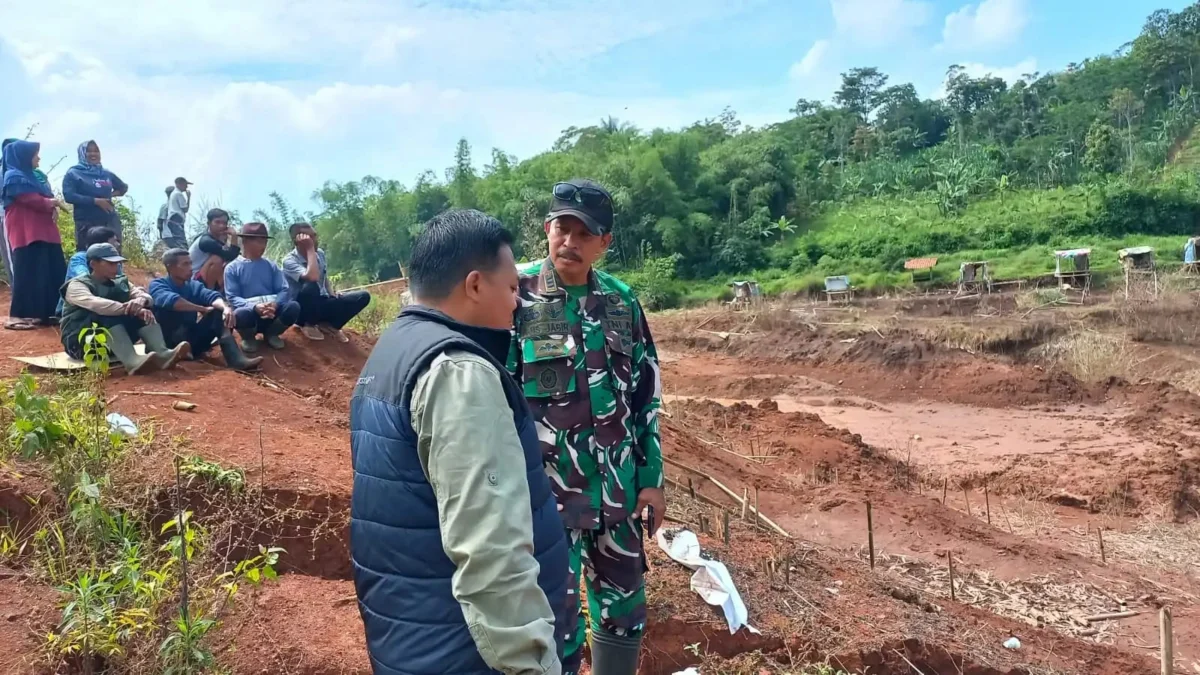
[757, 513]
[745, 501]
[1100, 536]
[725, 525]
[950, 562]
[870, 535]
[703, 523]
[691, 488]
[945, 485]
[967, 499]
[1166, 642]
[987, 500]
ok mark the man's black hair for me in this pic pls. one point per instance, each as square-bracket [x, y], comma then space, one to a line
[295, 228]
[173, 256]
[98, 235]
[449, 247]
[213, 214]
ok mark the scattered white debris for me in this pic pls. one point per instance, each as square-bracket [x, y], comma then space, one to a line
[121, 424]
[1012, 643]
[711, 580]
[689, 671]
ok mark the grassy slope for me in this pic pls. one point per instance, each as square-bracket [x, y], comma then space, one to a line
[908, 224]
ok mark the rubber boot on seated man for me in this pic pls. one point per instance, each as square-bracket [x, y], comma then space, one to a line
[105, 298]
[256, 288]
[189, 312]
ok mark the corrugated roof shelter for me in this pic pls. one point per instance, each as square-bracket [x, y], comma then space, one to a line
[838, 288]
[917, 264]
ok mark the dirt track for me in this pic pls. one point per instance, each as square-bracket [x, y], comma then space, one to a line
[835, 415]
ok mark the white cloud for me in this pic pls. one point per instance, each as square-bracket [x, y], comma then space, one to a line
[879, 22]
[811, 61]
[246, 97]
[991, 23]
[1009, 74]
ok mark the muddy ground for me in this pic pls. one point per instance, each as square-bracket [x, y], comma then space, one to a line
[960, 424]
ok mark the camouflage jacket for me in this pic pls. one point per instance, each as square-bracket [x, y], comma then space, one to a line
[590, 373]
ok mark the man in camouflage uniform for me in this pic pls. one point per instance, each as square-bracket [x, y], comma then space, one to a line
[583, 354]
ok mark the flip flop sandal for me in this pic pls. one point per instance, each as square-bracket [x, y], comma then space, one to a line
[18, 325]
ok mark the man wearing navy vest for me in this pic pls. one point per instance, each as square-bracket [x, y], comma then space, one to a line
[460, 561]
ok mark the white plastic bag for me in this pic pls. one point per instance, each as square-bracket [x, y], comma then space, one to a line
[121, 424]
[711, 580]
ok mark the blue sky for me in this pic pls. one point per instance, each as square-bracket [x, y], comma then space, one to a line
[244, 97]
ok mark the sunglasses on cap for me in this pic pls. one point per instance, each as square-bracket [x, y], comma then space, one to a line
[588, 196]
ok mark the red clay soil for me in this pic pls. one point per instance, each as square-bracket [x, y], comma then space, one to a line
[879, 370]
[27, 614]
[297, 405]
[818, 483]
[297, 625]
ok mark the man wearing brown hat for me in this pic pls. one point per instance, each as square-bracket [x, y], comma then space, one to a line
[258, 292]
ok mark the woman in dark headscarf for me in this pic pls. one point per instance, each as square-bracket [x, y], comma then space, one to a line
[90, 188]
[37, 255]
[4, 250]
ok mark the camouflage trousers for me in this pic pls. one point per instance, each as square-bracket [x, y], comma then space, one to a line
[612, 564]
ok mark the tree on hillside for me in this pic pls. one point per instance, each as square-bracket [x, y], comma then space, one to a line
[860, 89]
[1103, 153]
[1127, 108]
[461, 178]
[967, 96]
[807, 108]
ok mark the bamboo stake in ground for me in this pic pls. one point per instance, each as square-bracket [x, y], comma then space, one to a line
[1005, 512]
[745, 501]
[1166, 642]
[987, 501]
[967, 499]
[732, 495]
[757, 513]
[870, 535]
[1111, 616]
[691, 488]
[950, 563]
[1100, 536]
[945, 485]
[725, 526]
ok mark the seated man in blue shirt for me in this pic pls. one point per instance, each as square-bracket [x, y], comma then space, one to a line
[189, 312]
[258, 292]
[77, 265]
[308, 281]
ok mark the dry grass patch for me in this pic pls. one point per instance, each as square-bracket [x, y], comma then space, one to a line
[1092, 356]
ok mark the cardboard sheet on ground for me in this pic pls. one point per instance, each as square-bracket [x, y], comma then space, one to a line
[61, 361]
[711, 580]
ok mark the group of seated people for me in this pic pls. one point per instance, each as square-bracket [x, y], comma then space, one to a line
[216, 293]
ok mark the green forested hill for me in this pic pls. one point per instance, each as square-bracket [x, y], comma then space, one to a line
[1097, 155]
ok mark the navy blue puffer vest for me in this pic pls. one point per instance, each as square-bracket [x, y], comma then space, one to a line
[414, 625]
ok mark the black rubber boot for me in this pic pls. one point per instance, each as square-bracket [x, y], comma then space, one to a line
[614, 655]
[234, 358]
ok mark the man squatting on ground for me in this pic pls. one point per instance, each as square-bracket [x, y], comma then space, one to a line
[259, 293]
[308, 279]
[189, 312]
[213, 250]
[105, 298]
[460, 560]
[583, 354]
